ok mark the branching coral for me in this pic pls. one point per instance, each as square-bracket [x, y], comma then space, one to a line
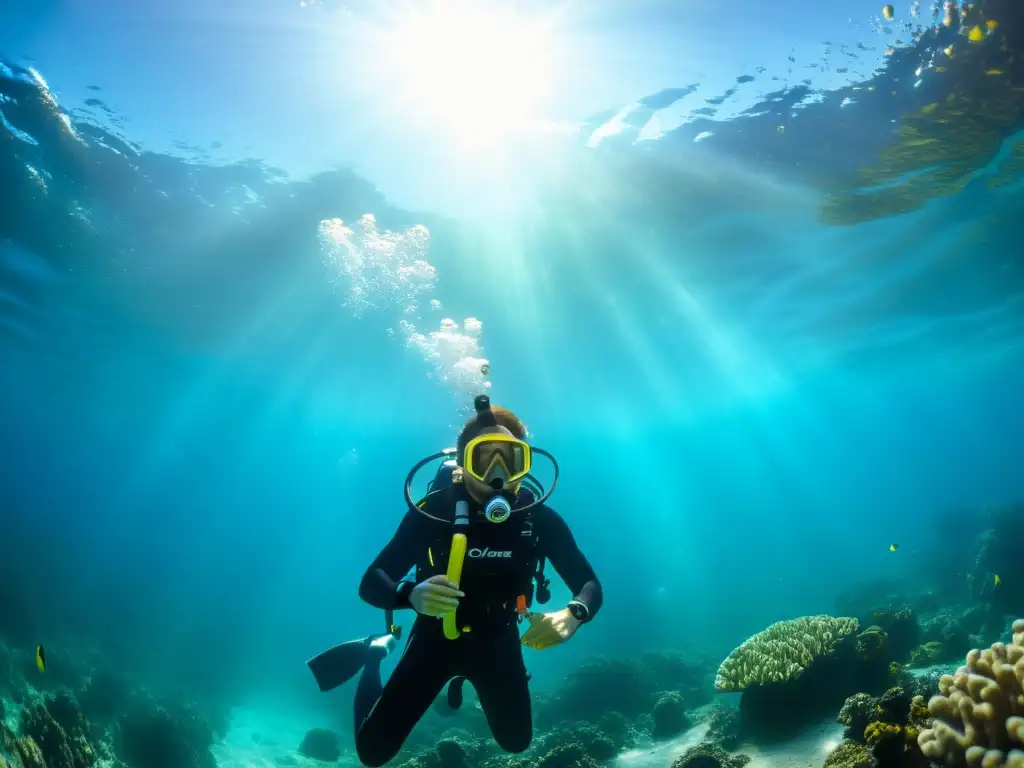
[783, 651]
[980, 709]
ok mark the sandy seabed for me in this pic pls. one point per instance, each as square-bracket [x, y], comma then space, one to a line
[808, 750]
[277, 745]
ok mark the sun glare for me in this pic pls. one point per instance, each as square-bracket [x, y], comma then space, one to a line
[475, 73]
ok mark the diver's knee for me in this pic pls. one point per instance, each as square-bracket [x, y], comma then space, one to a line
[516, 743]
[374, 751]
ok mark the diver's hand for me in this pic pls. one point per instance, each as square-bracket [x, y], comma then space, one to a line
[548, 629]
[435, 596]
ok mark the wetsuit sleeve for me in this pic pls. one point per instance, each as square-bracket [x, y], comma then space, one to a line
[562, 551]
[379, 586]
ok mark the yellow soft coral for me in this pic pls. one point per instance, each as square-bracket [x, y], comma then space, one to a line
[878, 730]
[783, 651]
[980, 710]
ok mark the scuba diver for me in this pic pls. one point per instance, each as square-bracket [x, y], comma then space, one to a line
[465, 559]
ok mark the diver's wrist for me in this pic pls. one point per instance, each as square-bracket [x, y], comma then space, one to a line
[579, 611]
[403, 594]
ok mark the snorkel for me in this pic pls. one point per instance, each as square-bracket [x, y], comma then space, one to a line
[497, 509]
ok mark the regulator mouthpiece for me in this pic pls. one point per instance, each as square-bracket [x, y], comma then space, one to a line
[498, 509]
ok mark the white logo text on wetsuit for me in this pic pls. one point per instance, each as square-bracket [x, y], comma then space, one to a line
[487, 552]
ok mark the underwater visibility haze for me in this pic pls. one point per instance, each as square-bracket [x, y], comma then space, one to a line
[752, 273]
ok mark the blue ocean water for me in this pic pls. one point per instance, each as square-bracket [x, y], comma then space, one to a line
[234, 313]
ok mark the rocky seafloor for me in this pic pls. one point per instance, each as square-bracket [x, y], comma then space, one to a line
[894, 678]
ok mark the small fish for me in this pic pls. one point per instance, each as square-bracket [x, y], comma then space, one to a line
[975, 35]
[949, 51]
[888, 12]
[996, 580]
[40, 658]
[992, 25]
[994, 71]
[893, 547]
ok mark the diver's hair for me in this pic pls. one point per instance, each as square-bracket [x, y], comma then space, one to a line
[472, 428]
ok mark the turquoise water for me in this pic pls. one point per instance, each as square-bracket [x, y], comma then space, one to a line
[217, 371]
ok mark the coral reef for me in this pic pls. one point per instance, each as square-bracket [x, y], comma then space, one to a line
[150, 734]
[872, 644]
[592, 740]
[686, 674]
[103, 696]
[998, 553]
[321, 744]
[980, 711]
[885, 728]
[567, 756]
[724, 726]
[22, 750]
[669, 717]
[598, 686]
[856, 713]
[707, 755]
[901, 628]
[928, 654]
[849, 754]
[783, 651]
[60, 730]
[947, 636]
[616, 727]
[789, 672]
[631, 687]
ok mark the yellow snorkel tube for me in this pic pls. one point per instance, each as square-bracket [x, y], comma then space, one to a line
[457, 555]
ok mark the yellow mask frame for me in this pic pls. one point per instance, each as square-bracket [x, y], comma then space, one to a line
[480, 473]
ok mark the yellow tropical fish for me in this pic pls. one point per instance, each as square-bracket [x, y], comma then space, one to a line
[949, 51]
[888, 12]
[40, 658]
[893, 547]
[994, 71]
[975, 35]
[996, 580]
[992, 25]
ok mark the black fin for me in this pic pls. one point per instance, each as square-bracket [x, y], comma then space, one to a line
[448, 705]
[339, 664]
[455, 692]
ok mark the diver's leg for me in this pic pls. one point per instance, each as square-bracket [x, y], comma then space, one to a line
[386, 715]
[370, 687]
[499, 676]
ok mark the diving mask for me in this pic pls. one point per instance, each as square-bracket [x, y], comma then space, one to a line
[499, 461]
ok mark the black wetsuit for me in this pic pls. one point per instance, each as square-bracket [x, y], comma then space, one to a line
[500, 561]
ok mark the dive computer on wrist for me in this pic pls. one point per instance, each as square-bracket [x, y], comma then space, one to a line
[579, 611]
